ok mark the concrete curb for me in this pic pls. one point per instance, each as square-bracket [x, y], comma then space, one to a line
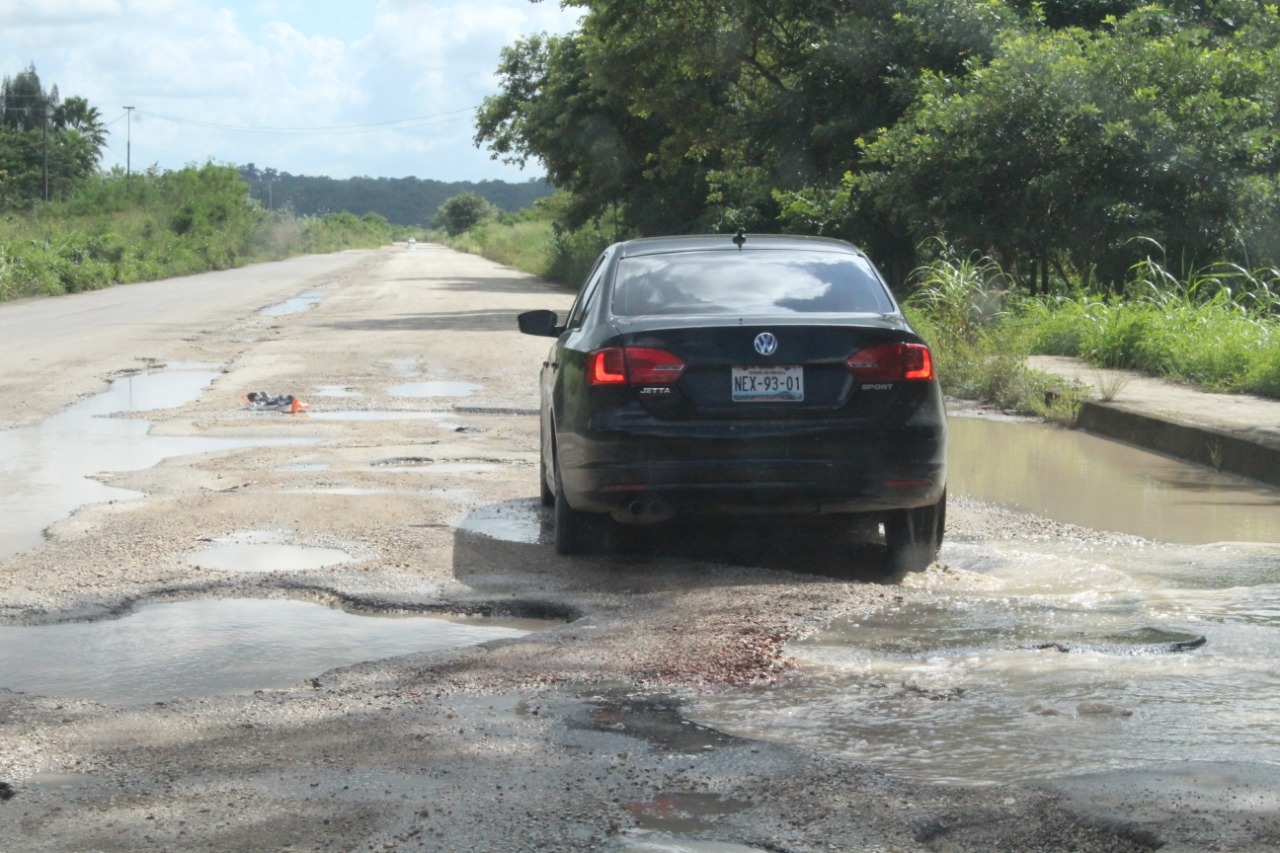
[1236, 434]
[1212, 448]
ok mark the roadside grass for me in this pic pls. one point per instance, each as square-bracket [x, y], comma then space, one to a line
[536, 246]
[1216, 329]
[523, 245]
[156, 225]
[958, 305]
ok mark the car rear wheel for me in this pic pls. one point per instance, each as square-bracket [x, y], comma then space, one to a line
[913, 536]
[545, 494]
[575, 532]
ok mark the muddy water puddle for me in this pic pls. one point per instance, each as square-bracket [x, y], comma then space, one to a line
[1082, 479]
[1028, 658]
[47, 467]
[215, 647]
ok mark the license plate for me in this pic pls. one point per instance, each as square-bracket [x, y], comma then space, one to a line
[768, 384]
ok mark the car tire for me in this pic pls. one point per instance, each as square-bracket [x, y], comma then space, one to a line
[575, 532]
[545, 494]
[913, 536]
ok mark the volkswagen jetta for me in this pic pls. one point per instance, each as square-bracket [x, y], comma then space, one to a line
[748, 374]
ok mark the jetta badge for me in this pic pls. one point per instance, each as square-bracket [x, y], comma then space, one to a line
[766, 343]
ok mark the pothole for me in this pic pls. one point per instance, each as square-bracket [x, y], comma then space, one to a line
[682, 811]
[264, 553]
[403, 462]
[436, 388]
[295, 305]
[469, 465]
[509, 521]
[46, 467]
[218, 647]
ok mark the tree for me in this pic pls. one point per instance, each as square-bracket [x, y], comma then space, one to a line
[75, 113]
[1069, 145]
[463, 212]
[24, 105]
[1048, 133]
[48, 147]
[679, 115]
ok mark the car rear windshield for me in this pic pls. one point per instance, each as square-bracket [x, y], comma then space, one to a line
[748, 283]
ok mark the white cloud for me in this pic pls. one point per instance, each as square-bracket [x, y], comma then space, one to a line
[270, 64]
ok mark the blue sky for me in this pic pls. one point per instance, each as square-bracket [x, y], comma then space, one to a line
[382, 88]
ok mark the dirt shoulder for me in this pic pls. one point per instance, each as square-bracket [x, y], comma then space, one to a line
[570, 738]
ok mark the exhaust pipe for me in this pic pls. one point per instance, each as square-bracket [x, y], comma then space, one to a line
[646, 510]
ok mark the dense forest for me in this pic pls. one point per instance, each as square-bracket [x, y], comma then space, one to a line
[402, 201]
[1063, 139]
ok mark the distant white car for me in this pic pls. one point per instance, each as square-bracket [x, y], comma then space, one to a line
[412, 242]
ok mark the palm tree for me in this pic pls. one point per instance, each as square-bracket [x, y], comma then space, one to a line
[75, 113]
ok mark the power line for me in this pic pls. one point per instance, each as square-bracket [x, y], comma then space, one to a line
[372, 127]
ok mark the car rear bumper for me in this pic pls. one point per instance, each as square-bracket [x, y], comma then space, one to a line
[647, 480]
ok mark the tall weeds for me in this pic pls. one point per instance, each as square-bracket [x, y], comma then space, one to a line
[958, 304]
[1216, 328]
[158, 224]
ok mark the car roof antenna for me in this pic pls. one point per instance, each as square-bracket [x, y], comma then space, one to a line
[739, 239]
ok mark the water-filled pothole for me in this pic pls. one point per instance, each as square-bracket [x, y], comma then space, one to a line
[1077, 653]
[215, 647]
[294, 305]
[437, 388]
[46, 467]
[1071, 476]
[682, 811]
[510, 521]
[264, 552]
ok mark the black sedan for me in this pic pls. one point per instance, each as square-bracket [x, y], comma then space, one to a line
[743, 374]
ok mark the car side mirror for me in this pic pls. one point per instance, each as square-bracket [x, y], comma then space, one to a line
[541, 322]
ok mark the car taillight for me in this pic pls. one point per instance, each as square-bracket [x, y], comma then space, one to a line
[633, 366]
[892, 363]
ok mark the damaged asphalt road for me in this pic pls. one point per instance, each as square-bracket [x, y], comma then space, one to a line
[569, 738]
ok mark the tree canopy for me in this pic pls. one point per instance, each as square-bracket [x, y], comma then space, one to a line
[48, 146]
[1047, 134]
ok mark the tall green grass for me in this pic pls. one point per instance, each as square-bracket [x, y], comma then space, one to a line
[959, 306]
[536, 246]
[155, 225]
[1217, 329]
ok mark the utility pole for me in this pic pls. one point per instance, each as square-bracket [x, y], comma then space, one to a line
[44, 123]
[128, 144]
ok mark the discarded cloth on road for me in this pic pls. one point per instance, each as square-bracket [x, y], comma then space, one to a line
[261, 401]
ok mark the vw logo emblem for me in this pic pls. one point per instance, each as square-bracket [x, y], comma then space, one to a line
[766, 343]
